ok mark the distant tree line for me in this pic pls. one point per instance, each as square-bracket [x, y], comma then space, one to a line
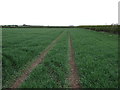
[32, 26]
[105, 28]
[113, 28]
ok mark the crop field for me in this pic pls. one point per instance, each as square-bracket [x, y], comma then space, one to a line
[59, 58]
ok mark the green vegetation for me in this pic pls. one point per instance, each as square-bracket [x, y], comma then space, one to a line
[96, 56]
[21, 46]
[53, 71]
[105, 28]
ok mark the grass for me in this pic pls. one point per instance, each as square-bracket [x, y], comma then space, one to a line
[96, 56]
[52, 73]
[21, 46]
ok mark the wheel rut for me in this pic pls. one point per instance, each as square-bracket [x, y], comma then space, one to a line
[30, 68]
[73, 78]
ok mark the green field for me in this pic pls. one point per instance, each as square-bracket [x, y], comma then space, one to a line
[96, 57]
[21, 46]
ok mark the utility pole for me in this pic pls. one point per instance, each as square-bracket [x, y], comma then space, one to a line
[119, 13]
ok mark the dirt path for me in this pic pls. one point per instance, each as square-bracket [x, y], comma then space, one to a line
[29, 69]
[73, 78]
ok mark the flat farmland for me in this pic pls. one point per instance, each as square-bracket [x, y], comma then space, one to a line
[21, 46]
[96, 58]
[59, 58]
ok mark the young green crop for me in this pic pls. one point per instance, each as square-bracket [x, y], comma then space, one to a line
[21, 46]
[53, 71]
[96, 55]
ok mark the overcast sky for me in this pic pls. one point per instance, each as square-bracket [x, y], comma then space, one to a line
[58, 12]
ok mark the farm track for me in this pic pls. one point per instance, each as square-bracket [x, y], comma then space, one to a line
[29, 69]
[73, 78]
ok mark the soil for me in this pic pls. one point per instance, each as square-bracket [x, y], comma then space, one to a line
[73, 78]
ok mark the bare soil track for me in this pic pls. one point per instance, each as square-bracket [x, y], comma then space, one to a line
[73, 78]
[29, 69]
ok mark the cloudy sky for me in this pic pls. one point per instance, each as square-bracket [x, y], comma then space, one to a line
[58, 12]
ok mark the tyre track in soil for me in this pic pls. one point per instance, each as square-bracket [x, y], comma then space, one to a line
[73, 78]
[29, 69]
